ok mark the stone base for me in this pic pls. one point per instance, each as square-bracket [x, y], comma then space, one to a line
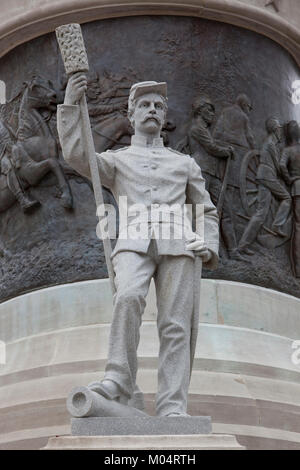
[243, 375]
[140, 433]
[157, 442]
[140, 426]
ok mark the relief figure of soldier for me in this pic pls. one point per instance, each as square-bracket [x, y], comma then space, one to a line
[211, 156]
[290, 168]
[268, 176]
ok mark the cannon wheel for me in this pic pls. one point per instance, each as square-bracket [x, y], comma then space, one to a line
[249, 185]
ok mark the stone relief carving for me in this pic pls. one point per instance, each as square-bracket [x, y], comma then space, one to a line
[269, 186]
[233, 128]
[227, 157]
[197, 58]
[29, 144]
[290, 168]
[210, 156]
[250, 197]
[10, 166]
[24, 161]
[107, 102]
[30, 149]
[35, 137]
[107, 97]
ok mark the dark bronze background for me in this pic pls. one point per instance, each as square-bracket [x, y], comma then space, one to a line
[54, 245]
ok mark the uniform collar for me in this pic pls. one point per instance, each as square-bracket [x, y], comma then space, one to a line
[142, 142]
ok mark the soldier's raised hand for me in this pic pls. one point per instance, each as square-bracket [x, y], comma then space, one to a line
[77, 86]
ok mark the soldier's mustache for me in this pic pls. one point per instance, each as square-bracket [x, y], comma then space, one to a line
[147, 118]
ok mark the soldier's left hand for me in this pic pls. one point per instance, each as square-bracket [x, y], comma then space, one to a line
[200, 249]
[205, 254]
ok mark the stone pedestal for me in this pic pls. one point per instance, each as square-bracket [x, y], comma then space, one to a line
[140, 433]
[143, 433]
[243, 375]
[141, 426]
[154, 442]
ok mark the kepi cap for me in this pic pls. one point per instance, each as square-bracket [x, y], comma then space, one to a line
[142, 88]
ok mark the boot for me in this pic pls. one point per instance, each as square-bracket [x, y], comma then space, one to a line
[246, 251]
[235, 255]
[137, 399]
[26, 203]
[110, 390]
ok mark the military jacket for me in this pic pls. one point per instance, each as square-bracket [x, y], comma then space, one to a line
[152, 176]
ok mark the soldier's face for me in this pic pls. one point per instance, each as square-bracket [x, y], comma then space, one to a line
[246, 107]
[92, 91]
[278, 131]
[149, 114]
[208, 113]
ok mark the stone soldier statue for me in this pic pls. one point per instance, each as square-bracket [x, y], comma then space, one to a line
[290, 168]
[268, 174]
[8, 164]
[149, 174]
[211, 157]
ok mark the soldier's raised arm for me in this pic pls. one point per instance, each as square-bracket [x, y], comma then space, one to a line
[249, 134]
[284, 161]
[70, 127]
[209, 143]
[274, 153]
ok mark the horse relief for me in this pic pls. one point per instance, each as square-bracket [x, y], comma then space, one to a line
[30, 151]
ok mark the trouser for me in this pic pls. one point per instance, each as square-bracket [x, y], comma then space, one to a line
[214, 185]
[173, 276]
[265, 192]
[296, 236]
[13, 184]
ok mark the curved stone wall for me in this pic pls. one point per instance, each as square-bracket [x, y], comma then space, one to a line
[22, 20]
[243, 374]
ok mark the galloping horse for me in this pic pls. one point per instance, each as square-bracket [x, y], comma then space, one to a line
[36, 152]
